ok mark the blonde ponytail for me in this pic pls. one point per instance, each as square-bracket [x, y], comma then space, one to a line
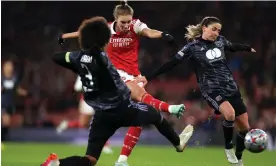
[122, 9]
[194, 31]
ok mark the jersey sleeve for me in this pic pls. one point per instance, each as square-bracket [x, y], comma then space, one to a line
[138, 26]
[71, 57]
[184, 53]
[233, 47]
[67, 60]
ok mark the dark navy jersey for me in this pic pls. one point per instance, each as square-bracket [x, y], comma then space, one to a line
[9, 87]
[210, 64]
[102, 85]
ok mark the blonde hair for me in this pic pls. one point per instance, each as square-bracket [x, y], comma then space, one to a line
[195, 31]
[122, 9]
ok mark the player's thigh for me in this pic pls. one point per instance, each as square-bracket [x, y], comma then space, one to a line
[139, 114]
[137, 92]
[220, 104]
[86, 109]
[101, 129]
[214, 100]
[238, 104]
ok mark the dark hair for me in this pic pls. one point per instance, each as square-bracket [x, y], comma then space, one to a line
[195, 31]
[122, 9]
[94, 32]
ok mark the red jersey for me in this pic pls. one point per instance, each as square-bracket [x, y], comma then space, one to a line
[123, 47]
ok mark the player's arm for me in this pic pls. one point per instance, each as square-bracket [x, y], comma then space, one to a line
[70, 35]
[66, 59]
[63, 36]
[143, 30]
[234, 47]
[184, 53]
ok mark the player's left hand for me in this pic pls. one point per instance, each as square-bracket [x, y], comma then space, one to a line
[253, 50]
[167, 37]
[141, 79]
[60, 39]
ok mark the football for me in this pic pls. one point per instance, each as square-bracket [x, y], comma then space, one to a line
[256, 141]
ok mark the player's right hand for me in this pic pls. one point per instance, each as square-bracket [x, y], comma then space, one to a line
[141, 79]
[60, 39]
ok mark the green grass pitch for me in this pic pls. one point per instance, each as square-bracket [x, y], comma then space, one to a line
[33, 154]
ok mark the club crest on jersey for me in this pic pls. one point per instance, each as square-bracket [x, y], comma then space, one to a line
[218, 43]
[213, 53]
[218, 98]
[86, 59]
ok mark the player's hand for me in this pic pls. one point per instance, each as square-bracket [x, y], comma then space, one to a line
[167, 37]
[60, 39]
[253, 50]
[141, 79]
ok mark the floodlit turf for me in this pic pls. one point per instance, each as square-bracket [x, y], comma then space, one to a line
[32, 154]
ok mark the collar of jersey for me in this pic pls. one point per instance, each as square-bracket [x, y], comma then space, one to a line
[207, 41]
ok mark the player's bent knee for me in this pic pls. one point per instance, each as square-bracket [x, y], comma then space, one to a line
[227, 111]
[136, 91]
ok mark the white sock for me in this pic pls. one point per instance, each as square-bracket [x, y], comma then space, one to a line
[170, 108]
[122, 158]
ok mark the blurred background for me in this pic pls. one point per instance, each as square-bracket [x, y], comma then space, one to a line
[29, 34]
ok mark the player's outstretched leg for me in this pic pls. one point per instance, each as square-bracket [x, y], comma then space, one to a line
[130, 141]
[179, 142]
[139, 114]
[243, 127]
[139, 94]
[228, 128]
[162, 106]
[53, 160]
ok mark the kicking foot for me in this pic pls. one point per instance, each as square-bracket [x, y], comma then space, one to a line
[52, 160]
[185, 137]
[177, 110]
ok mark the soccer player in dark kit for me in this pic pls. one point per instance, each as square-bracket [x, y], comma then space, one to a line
[109, 96]
[206, 50]
[10, 87]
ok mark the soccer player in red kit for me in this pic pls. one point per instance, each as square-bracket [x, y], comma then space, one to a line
[122, 50]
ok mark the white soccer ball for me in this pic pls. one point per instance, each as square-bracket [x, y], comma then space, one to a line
[256, 141]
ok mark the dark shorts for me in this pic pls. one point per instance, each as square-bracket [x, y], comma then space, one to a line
[215, 99]
[105, 123]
